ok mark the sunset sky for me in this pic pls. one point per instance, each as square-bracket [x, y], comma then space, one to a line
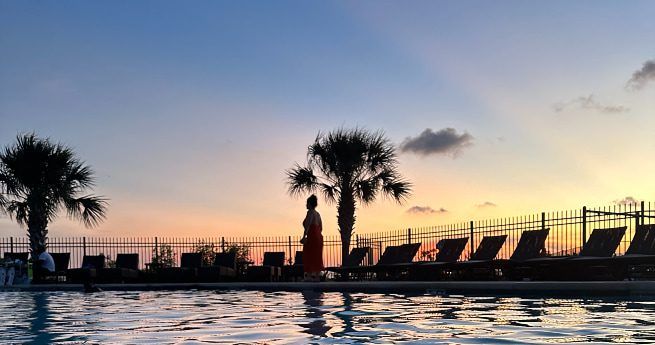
[190, 112]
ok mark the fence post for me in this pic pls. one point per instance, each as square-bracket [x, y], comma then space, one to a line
[409, 235]
[643, 211]
[584, 225]
[543, 220]
[84, 246]
[223, 243]
[156, 249]
[290, 252]
[11, 244]
[472, 239]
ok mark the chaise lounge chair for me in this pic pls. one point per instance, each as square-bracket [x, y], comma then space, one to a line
[391, 263]
[270, 270]
[479, 266]
[23, 257]
[600, 246]
[483, 266]
[353, 260]
[449, 251]
[639, 260]
[186, 273]
[126, 270]
[296, 271]
[224, 268]
[91, 265]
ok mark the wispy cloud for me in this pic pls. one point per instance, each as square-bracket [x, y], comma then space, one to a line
[422, 210]
[486, 204]
[628, 200]
[641, 77]
[445, 141]
[590, 103]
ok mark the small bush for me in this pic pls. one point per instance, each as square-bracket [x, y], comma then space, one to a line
[162, 257]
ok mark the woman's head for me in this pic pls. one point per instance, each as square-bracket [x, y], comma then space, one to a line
[312, 202]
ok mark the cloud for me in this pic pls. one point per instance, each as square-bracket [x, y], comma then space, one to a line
[425, 210]
[444, 141]
[642, 76]
[628, 200]
[486, 204]
[590, 103]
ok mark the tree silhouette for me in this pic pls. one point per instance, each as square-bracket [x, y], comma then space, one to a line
[348, 166]
[38, 179]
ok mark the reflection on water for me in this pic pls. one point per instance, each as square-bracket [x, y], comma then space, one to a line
[315, 317]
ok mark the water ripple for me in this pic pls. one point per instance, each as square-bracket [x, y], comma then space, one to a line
[253, 317]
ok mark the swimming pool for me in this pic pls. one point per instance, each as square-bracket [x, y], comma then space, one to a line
[314, 317]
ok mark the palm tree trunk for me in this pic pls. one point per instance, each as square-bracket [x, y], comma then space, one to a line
[37, 230]
[346, 220]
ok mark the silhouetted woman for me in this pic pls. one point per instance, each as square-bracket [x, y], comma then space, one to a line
[312, 240]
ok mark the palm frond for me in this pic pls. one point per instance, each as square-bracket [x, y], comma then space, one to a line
[301, 179]
[366, 190]
[17, 210]
[330, 192]
[89, 209]
[398, 190]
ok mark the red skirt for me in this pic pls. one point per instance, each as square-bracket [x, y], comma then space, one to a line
[312, 250]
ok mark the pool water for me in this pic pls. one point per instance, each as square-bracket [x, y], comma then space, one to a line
[169, 317]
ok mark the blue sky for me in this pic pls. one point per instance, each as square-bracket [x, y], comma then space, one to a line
[190, 111]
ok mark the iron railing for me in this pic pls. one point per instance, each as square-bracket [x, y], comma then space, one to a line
[568, 232]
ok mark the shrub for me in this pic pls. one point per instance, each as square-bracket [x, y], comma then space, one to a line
[162, 256]
[207, 252]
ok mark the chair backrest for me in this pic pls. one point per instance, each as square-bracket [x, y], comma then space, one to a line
[531, 245]
[130, 261]
[407, 252]
[643, 241]
[389, 256]
[356, 256]
[450, 249]
[275, 259]
[20, 256]
[226, 259]
[61, 260]
[191, 260]
[93, 261]
[603, 242]
[297, 260]
[489, 247]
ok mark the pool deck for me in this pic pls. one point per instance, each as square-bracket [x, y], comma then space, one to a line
[575, 288]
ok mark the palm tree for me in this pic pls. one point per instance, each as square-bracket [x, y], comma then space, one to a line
[38, 179]
[348, 166]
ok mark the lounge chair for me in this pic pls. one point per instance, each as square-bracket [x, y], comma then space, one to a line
[483, 266]
[91, 265]
[449, 251]
[639, 260]
[126, 270]
[295, 271]
[270, 270]
[354, 259]
[600, 246]
[187, 272]
[475, 268]
[62, 260]
[224, 268]
[392, 263]
[17, 256]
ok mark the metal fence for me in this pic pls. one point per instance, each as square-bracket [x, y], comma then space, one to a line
[568, 232]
